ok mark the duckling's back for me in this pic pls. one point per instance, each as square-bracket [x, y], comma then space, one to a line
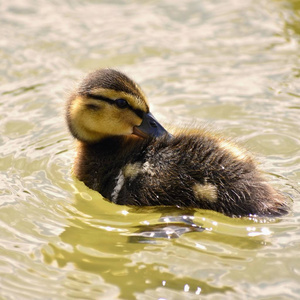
[196, 171]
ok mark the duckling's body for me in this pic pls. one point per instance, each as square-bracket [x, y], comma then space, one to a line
[191, 169]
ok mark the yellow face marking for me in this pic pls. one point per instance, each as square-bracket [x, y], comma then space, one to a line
[134, 102]
[206, 191]
[77, 115]
[107, 120]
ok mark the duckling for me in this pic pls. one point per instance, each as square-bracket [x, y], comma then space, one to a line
[131, 159]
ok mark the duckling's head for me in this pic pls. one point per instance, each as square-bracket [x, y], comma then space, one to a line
[107, 103]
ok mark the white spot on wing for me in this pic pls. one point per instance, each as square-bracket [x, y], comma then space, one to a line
[132, 170]
[120, 182]
[206, 191]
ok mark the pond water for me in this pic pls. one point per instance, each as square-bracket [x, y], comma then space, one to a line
[231, 65]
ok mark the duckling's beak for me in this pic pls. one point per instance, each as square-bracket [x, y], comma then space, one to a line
[150, 127]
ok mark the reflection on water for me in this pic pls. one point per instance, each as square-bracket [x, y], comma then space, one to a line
[149, 234]
[114, 248]
[233, 65]
[104, 239]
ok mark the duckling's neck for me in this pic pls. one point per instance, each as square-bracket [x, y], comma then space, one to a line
[96, 164]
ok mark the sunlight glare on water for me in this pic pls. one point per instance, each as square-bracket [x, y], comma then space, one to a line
[232, 66]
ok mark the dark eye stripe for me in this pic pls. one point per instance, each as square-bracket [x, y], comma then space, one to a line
[138, 112]
[98, 97]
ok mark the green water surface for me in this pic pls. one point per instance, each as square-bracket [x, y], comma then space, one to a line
[233, 66]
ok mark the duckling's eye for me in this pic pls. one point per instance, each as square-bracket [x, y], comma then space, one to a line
[121, 103]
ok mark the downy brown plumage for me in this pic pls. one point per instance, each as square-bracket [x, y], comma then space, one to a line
[127, 156]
